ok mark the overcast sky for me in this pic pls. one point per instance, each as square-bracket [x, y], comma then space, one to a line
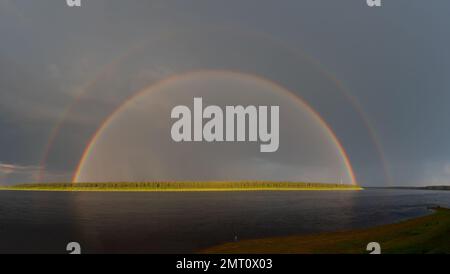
[378, 76]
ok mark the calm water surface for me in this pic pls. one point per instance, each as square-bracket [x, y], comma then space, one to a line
[185, 222]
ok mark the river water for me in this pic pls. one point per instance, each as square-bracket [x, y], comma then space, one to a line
[44, 222]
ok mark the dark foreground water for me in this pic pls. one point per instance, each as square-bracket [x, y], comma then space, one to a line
[185, 222]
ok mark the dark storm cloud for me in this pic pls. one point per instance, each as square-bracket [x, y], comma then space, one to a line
[394, 60]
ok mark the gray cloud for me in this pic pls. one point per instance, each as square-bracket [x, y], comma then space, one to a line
[394, 61]
[13, 173]
[7, 169]
[18, 173]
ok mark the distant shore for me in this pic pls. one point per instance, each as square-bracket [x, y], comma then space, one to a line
[414, 188]
[182, 186]
[428, 234]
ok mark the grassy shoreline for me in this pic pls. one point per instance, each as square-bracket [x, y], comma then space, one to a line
[428, 234]
[182, 187]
